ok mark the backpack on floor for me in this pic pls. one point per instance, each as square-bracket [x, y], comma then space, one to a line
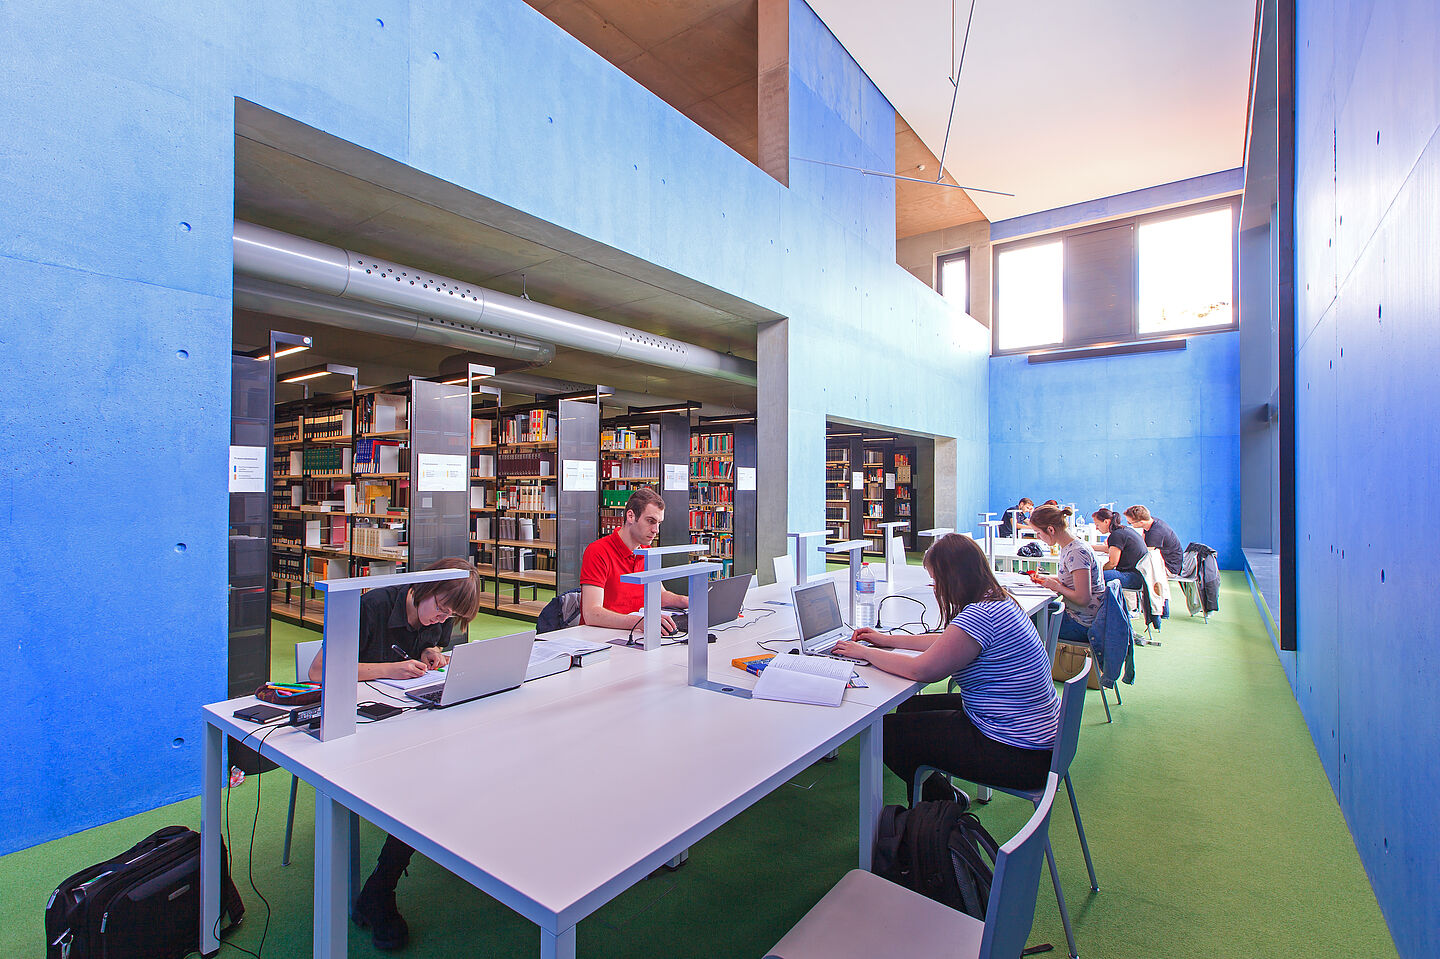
[143, 904]
[940, 852]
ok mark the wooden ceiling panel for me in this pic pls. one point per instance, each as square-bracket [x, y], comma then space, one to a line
[713, 55]
[588, 25]
[741, 101]
[651, 22]
[920, 208]
[655, 75]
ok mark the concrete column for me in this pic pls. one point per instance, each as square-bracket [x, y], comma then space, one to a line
[946, 485]
[774, 89]
[772, 429]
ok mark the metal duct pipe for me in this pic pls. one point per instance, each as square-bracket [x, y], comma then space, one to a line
[532, 384]
[301, 304]
[268, 254]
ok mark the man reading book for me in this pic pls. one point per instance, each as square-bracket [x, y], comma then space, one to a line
[604, 599]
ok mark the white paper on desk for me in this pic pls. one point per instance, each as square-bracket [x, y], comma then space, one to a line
[813, 680]
[575, 647]
[543, 652]
[424, 679]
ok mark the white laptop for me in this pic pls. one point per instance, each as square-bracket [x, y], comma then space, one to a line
[479, 668]
[817, 616]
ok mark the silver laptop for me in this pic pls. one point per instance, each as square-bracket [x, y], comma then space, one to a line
[726, 598]
[480, 668]
[817, 615]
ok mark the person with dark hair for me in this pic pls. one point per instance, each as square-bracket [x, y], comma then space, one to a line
[1078, 580]
[1159, 535]
[1015, 516]
[1125, 546]
[404, 631]
[604, 599]
[1000, 728]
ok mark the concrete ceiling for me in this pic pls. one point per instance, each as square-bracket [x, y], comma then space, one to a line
[1062, 102]
[699, 56]
[299, 180]
[920, 208]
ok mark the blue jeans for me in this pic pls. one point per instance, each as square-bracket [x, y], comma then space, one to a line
[1129, 579]
[1072, 632]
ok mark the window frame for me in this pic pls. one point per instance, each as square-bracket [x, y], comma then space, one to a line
[943, 258]
[1136, 221]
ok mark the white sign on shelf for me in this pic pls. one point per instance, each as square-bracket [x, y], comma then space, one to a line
[247, 469]
[889, 480]
[857, 480]
[441, 472]
[677, 476]
[579, 476]
[744, 478]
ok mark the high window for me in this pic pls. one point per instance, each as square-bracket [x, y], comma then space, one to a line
[952, 273]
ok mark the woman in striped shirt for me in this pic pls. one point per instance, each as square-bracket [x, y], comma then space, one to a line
[1000, 727]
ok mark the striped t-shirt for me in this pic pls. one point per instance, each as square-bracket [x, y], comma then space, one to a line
[1007, 691]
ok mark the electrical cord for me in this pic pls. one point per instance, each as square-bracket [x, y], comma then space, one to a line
[250, 867]
[923, 609]
[762, 614]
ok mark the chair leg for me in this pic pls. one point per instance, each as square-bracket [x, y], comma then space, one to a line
[1060, 899]
[1105, 701]
[984, 794]
[1118, 700]
[1080, 828]
[921, 775]
[354, 856]
[290, 820]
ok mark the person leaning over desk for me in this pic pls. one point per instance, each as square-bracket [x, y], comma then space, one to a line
[1159, 535]
[1015, 517]
[415, 621]
[1000, 728]
[1079, 580]
[604, 599]
[1125, 548]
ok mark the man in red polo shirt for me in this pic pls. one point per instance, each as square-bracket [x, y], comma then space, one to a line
[604, 600]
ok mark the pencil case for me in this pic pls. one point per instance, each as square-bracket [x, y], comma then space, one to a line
[281, 696]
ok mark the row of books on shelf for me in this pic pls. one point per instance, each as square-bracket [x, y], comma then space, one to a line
[515, 527]
[288, 565]
[382, 413]
[711, 469]
[286, 530]
[902, 508]
[721, 546]
[874, 458]
[482, 464]
[629, 468]
[327, 532]
[874, 490]
[536, 426]
[712, 519]
[902, 468]
[524, 496]
[482, 431]
[712, 443]
[835, 513]
[333, 460]
[328, 424]
[874, 511]
[620, 438]
[380, 540]
[526, 464]
[288, 432]
[707, 494]
[837, 474]
[524, 560]
[381, 456]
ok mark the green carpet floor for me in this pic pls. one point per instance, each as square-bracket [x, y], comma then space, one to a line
[1213, 829]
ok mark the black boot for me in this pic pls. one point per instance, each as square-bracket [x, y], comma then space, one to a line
[375, 907]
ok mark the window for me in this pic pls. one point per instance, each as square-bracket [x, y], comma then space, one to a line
[1119, 281]
[1186, 280]
[952, 272]
[1029, 296]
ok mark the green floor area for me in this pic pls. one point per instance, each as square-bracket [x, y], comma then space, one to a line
[1213, 829]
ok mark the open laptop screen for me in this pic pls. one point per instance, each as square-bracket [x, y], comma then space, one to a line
[817, 611]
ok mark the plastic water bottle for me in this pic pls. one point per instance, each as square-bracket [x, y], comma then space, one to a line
[864, 597]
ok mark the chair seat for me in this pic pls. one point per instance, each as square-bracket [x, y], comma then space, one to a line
[866, 916]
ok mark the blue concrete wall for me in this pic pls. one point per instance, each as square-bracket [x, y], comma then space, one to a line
[1162, 429]
[1367, 674]
[117, 127]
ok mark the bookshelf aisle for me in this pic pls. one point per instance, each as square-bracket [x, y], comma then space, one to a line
[629, 458]
[712, 497]
[874, 499]
[900, 501]
[837, 491]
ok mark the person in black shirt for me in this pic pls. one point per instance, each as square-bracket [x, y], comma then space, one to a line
[418, 620]
[1015, 516]
[1125, 546]
[1159, 535]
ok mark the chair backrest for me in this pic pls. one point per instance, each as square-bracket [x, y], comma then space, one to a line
[305, 654]
[1072, 704]
[1052, 627]
[784, 570]
[1011, 910]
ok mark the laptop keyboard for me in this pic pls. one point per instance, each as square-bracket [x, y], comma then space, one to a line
[429, 695]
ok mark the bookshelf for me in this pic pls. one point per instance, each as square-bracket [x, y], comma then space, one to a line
[900, 500]
[722, 494]
[872, 503]
[645, 448]
[524, 551]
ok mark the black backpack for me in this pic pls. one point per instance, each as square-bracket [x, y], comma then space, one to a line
[939, 851]
[143, 904]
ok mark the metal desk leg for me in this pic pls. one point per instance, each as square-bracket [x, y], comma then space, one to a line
[872, 798]
[212, 782]
[559, 945]
[332, 865]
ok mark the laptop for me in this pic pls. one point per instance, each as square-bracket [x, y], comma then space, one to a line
[817, 615]
[479, 668]
[727, 596]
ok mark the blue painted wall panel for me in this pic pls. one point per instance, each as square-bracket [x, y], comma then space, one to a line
[1157, 428]
[118, 125]
[1368, 434]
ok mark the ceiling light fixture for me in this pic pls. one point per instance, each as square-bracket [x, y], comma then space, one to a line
[287, 351]
[315, 372]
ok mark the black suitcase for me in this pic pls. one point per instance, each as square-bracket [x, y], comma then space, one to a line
[143, 904]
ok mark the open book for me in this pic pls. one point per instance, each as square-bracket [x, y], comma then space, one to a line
[814, 680]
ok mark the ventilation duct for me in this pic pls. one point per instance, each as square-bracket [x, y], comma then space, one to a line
[301, 304]
[270, 255]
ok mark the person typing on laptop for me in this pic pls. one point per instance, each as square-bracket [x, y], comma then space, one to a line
[404, 631]
[604, 599]
[1000, 728]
